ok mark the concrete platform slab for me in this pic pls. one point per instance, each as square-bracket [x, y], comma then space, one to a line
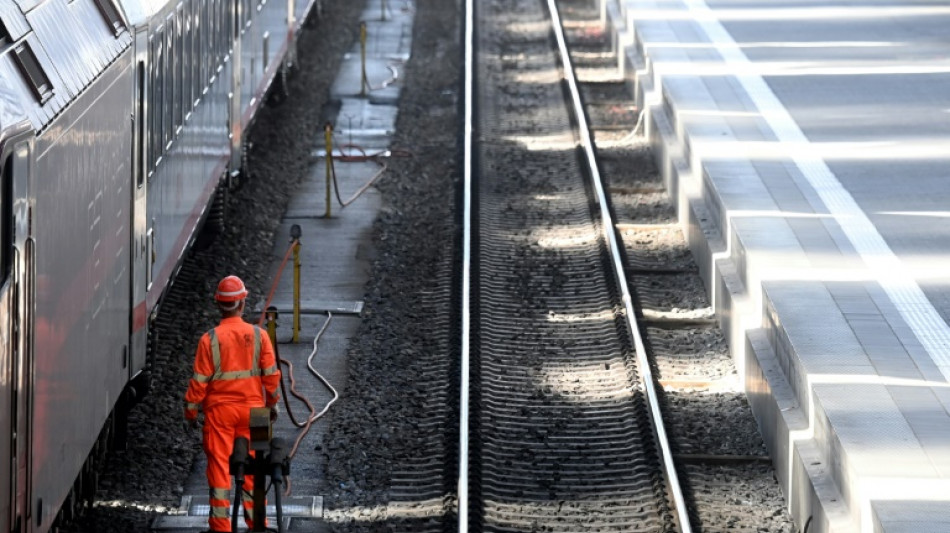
[813, 243]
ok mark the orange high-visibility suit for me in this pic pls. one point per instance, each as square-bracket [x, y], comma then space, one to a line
[233, 363]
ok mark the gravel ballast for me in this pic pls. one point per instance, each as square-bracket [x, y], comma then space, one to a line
[404, 347]
[146, 479]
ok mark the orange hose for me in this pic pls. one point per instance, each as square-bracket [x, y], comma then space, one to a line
[273, 287]
[313, 416]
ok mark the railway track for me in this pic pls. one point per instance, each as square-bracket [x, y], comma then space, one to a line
[562, 410]
[565, 424]
[727, 477]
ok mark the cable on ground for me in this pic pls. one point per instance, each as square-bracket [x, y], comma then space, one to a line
[362, 157]
[314, 415]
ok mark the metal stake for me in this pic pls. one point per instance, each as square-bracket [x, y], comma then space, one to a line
[364, 83]
[328, 140]
[295, 234]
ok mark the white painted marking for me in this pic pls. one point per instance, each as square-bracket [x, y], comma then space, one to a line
[468, 159]
[900, 286]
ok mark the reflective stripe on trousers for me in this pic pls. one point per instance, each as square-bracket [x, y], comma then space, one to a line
[223, 424]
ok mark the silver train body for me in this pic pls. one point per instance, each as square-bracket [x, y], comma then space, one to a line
[119, 121]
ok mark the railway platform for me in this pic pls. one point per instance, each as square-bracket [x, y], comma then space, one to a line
[335, 257]
[805, 145]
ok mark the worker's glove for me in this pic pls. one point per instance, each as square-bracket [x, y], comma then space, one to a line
[190, 424]
[274, 411]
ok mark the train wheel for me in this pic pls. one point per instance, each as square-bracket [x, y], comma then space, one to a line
[245, 174]
[90, 475]
[67, 512]
[117, 430]
[75, 496]
[218, 216]
[216, 223]
[315, 15]
[89, 487]
[279, 91]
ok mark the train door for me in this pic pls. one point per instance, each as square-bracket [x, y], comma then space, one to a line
[238, 12]
[7, 356]
[15, 299]
[140, 159]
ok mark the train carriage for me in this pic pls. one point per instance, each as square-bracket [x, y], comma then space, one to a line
[120, 122]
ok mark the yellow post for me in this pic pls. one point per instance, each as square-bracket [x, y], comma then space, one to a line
[363, 82]
[296, 291]
[271, 321]
[328, 140]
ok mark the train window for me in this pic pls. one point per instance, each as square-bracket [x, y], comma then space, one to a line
[199, 31]
[4, 34]
[203, 30]
[157, 97]
[197, 26]
[6, 219]
[199, 57]
[204, 33]
[234, 17]
[168, 102]
[227, 33]
[194, 47]
[111, 15]
[191, 55]
[209, 60]
[186, 61]
[227, 27]
[153, 103]
[215, 32]
[213, 29]
[33, 72]
[142, 167]
[179, 69]
[238, 18]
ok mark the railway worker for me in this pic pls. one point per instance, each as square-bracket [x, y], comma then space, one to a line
[233, 362]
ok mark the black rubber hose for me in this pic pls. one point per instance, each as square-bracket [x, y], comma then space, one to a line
[283, 390]
[238, 492]
[238, 456]
[277, 506]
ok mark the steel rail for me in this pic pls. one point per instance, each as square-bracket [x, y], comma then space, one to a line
[469, 82]
[646, 374]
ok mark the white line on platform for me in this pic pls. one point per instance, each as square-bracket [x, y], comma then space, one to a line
[923, 319]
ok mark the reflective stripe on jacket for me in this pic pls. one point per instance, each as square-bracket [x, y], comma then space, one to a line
[234, 363]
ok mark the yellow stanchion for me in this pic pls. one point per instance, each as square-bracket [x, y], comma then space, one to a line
[364, 82]
[271, 317]
[297, 288]
[328, 140]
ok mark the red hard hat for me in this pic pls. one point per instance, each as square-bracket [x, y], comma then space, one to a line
[230, 289]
